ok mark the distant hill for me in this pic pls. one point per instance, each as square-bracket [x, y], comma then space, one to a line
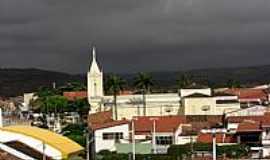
[15, 82]
[214, 77]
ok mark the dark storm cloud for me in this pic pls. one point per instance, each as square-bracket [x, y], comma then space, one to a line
[134, 35]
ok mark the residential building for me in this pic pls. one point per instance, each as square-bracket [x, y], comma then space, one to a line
[108, 134]
[250, 96]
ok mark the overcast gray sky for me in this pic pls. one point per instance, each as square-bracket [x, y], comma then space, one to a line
[134, 35]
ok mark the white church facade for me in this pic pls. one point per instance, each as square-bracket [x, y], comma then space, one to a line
[186, 102]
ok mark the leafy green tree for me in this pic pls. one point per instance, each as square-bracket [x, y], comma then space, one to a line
[76, 132]
[46, 91]
[114, 85]
[144, 82]
[73, 86]
[50, 104]
[56, 104]
[81, 106]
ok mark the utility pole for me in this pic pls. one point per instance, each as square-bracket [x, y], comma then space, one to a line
[87, 146]
[214, 144]
[43, 151]
[191, 146]
[133, 141]
[154, 135]
[214, 131]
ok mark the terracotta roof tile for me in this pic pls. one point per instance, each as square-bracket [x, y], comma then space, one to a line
[75, 95]
[239, 119]
[264, 119]
[109, 124]
[144, 125]
[100, 118]
[247, 93]
[220, 138]
[249, 126]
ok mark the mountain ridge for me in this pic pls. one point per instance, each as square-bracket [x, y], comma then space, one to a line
[15, 81]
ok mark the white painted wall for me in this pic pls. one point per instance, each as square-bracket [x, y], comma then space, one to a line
[266, 151]
[186, 139]
[187, 92]
[101, 144]
[232, 126]
[50, 151]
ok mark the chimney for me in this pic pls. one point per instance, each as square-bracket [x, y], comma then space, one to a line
[1, 118]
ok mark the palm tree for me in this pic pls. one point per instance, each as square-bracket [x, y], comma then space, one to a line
[231, 83]
[144, 81]
[184, 81]
[114, 85]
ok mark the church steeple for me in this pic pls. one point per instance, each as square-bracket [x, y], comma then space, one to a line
[95, 78]
[94, 66]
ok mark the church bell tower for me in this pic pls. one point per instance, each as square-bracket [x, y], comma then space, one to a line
[94, 79]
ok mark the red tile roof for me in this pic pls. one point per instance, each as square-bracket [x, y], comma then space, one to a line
[200, 122]
[239, 119]
[100, 118]
[264, 119]
[144, 125]
[220, 138]
[248, 93]
[109, 124]
[75, 95]
[249, 126]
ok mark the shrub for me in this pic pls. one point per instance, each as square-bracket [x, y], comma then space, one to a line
[233, 151]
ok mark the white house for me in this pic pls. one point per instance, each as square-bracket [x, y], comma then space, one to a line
[106, 135]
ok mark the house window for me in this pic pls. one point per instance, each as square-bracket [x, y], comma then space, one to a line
[112, 135]
[164, 140]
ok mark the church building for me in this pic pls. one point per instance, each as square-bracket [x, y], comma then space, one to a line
[186, 102]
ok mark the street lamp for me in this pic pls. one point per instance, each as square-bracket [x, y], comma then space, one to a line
[214, 131]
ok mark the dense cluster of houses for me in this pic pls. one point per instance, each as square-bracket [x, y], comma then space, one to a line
[153, 122]
[154, 134]
[242, 113]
